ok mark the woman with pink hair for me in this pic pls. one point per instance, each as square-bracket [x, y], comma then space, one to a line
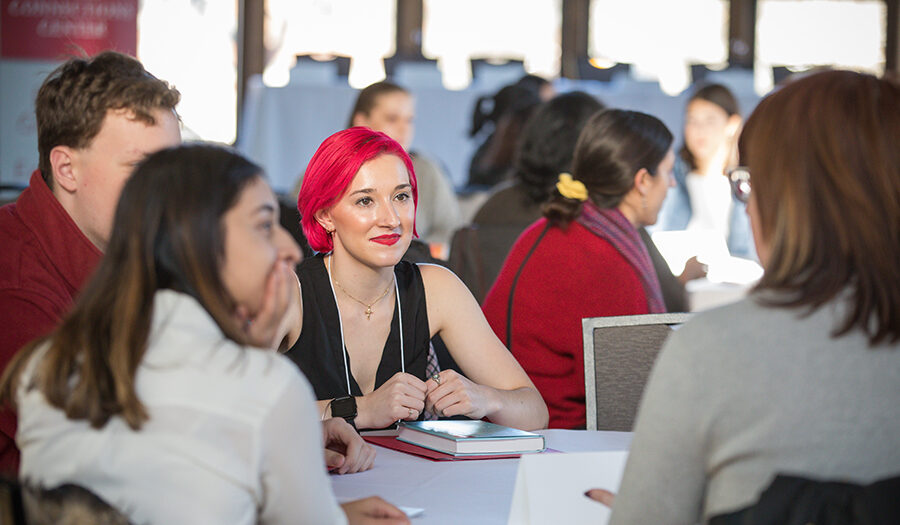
[367, 317]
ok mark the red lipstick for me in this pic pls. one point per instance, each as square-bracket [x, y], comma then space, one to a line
[387, 240]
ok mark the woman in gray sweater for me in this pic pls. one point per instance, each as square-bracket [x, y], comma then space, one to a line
[803, 376]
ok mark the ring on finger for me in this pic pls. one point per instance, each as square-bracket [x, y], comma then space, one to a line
[411, 413]
[436, 377]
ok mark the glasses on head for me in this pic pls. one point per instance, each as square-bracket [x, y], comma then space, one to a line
[740, 183]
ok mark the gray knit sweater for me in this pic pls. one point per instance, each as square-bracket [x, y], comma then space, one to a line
[744, 392]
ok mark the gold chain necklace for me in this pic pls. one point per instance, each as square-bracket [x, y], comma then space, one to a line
[368, 306]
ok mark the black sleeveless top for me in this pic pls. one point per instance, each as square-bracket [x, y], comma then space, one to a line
[318, 351]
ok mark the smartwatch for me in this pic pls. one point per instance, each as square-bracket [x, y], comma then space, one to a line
[344, 407]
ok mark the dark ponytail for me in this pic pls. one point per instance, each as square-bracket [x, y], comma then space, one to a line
[613, 146]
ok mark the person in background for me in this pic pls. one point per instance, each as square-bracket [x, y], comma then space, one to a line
[543, 152]
[96, 118]
[499, 119]
[390, 109]
[540, 85]
[585, 257]
[367, 316]
[803, 376]
[702, 199]
[160, 392]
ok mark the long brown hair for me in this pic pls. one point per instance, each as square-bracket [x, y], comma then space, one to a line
[168, 233]
[825, 165]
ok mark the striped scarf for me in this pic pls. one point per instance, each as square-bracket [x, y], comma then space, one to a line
[612, 226]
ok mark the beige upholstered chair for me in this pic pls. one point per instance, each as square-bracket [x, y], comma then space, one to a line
[618, 355]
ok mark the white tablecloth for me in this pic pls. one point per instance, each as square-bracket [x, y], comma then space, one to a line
[455, 492]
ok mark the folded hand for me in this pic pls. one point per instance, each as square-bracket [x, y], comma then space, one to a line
[400, 397]
[453, 394]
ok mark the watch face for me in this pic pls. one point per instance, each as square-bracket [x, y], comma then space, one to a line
[344, 407]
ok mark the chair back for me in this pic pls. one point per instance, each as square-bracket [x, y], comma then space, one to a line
[477, 253]
[618, 355]
[311, 71]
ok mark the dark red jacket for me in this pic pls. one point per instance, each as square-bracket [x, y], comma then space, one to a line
[572, 274]
[44, 260]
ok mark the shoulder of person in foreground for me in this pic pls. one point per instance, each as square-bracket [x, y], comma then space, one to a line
[673, 424]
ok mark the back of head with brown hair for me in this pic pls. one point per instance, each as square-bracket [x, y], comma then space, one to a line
[824, 157]
[72, 102]
[613, 146]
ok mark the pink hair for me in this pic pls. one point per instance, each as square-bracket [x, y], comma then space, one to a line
[332, 169]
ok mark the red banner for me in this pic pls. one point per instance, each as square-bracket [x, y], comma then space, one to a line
[55, 29]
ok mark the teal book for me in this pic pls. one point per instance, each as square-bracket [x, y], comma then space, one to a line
[470, 438]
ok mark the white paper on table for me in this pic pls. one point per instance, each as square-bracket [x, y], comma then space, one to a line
[550, 487]
[710, 249]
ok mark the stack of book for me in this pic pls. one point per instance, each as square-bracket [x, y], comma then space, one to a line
[470, 438]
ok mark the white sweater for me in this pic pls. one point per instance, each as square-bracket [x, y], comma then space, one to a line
[232, 437]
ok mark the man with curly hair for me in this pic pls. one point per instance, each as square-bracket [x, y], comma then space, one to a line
[96, 118]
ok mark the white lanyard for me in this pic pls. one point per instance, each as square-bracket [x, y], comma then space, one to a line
[344, 351]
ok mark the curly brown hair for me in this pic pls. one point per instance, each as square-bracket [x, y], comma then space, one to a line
[74, 99]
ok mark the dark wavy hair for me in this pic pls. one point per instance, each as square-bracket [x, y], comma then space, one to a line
[613, 146]
[73, 100]
[825, 164]
[167, 233]
[548, 142]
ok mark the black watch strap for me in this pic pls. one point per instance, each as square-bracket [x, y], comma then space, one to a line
[344, 407]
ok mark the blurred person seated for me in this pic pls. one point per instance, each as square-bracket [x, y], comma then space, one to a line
[497, 122]
[367, 317]
[160, 391]
[390, 109]
[702, 199]
[802, 377]
[544, 151]
[585, 257]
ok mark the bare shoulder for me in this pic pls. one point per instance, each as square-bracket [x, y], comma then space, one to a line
[447, 297]
[435, 276]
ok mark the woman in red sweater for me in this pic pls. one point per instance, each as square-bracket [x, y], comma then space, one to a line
[584, 258]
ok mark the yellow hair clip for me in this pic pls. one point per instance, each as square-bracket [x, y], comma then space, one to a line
[571, 188]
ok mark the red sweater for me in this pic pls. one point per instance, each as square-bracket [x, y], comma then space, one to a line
[571, 275]
[44, 261]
